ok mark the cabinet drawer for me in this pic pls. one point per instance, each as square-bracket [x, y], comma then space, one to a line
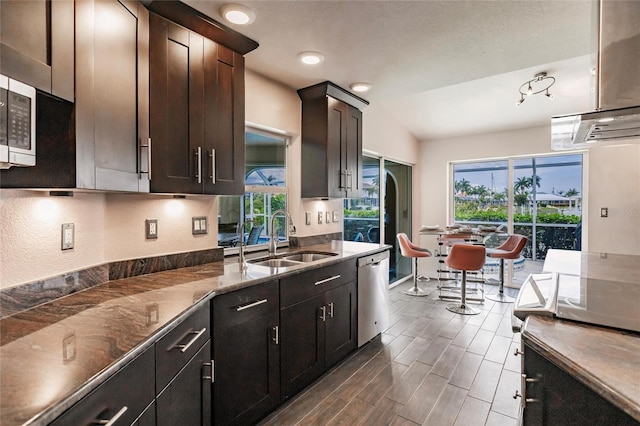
[126, 394]
[180, 345]
[246, 304]
[300, 287]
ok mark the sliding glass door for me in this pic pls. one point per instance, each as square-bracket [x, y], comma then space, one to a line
[383, 211]
[539, 197]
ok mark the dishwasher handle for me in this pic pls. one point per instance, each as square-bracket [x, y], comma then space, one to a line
[373, 259]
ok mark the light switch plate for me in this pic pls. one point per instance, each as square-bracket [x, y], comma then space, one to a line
[151, 229]
[327, 216]
[307, 218]
[320, 217]
[336, 215]
[68, 236]
[199, 225]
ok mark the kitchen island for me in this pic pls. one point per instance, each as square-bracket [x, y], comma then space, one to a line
[53, 355]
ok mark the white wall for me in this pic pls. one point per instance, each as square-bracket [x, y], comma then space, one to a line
[613, 182]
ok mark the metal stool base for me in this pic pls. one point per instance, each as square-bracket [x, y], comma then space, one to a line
[423, 278]
[463, 309]
[415, 291]
[501, 298]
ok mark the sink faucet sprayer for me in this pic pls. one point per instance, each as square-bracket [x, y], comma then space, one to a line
[273, 237]
[242, 264]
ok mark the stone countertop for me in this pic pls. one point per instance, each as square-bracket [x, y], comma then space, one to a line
[54, 354]
[606, 360]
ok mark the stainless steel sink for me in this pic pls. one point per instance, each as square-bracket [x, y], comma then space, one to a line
[308, 256]
[292, 259]
[273, 263]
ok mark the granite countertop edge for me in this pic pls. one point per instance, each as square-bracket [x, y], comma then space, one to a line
[562, 358]
[363, 249]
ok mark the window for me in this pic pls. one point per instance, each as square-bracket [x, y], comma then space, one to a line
[265, 192]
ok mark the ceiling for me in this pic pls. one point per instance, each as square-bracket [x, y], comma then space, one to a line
[441, 68]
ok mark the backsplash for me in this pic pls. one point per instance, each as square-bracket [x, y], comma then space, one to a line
[26, 296]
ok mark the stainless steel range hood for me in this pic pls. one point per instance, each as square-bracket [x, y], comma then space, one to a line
[617, 117]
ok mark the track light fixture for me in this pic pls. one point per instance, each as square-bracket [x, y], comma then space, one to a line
[540, 82]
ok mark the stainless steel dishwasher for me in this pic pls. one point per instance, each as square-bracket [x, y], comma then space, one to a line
[373, 296]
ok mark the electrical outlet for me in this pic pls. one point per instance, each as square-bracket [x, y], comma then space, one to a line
[336, 215]
[320, 218]
[327, 216]
[68, 236]
[604, 212]
[307, 218]
[199, 225]
[151, 228]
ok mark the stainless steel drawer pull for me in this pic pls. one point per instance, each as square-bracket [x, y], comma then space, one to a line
[199, 164]
[185, 347]
[276, 336]
[517, 352]
[113, 419]
[331, 309]
[250, 305]
[323, 315]
[213, 166]
[326, 280]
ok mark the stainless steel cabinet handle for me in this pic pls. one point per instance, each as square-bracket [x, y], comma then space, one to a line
[326, 280]
[148, 146]
[209, 364]
[185, 347]
[199, 164]
[113, 419]
[331, 309]
[276, 335]
[323, 315]
[517, 352]
[350, 176]
[212, 154]
[250, 305]
[343, 179]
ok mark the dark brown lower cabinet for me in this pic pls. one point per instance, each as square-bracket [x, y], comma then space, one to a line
[316, 333]
[121, 399]
[186, 401]
[553, 397]
[246, 354]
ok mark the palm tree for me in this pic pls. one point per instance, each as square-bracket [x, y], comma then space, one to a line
[522, 184]
[530, 180]
[462, 186]
[571, 193]
[481, 192]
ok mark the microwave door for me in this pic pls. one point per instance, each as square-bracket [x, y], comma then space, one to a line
[4, 145]
[21, 123]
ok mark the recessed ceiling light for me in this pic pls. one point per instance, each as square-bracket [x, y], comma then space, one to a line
[237, 14]
[311, 58]
[360, 87]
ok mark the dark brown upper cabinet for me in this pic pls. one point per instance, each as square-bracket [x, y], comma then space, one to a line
[100, 141]
[331, 142]
[36, 44]
[196, 103]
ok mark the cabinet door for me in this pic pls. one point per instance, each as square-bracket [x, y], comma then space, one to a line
[341, 334]
[354, 153]
[246, 354]
[224, 120]
[111, 94]
[302, 344]
[337, 167]
[36, 44]
[176, 107]
[186, 401]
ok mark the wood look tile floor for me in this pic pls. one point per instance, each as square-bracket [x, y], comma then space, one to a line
[430, 367]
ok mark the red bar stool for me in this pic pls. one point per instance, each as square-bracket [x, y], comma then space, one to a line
[465, 257]
[408, 249]
[510, 249]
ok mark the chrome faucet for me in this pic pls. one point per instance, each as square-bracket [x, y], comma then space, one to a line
[242, 264]
[273, 237]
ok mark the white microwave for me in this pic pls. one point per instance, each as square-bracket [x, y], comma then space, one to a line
[17, 123]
